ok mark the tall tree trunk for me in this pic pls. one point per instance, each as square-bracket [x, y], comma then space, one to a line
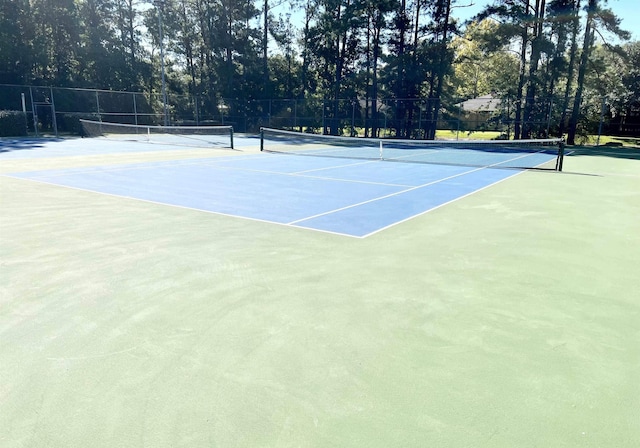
[187, 41]
[521, 79]
[532, 84]
[132, 44]
[305, 50]
[265, 45]
[441, 68]
[582, 69]
[377, 32]
[573, 55]
[337, 75]
[341, 46]
[402, 68]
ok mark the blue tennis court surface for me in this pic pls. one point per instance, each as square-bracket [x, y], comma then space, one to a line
[348, 197]
[40, 148]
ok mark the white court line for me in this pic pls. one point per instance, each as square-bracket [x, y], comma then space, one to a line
[130, 166]
[182, 207]
[407, 190]
[65, 172]
[386, 196]
[440, 205]
[292, 223]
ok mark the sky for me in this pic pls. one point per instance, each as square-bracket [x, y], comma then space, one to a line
[627, 10]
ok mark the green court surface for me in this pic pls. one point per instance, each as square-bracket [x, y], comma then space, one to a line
[508, 318]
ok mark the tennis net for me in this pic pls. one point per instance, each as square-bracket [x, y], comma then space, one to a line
[196, 136]
[514, 154]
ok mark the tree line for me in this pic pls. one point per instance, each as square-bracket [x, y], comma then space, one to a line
[536, 55]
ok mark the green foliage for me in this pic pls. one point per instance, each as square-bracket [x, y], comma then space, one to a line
[245, 53]
[70, 122]
[12, 123]
[481, 69]
[16, 36]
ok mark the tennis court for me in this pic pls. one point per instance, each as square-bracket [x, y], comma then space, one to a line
[351, 198]
[161, 295]
[349, 194]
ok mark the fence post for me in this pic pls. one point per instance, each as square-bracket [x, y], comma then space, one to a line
[195, 103]
[24, 111]
[98, 106]
[53, 112]
[353, 118]
[550, 116]
[384, 133]
[33, 112]
[604, 98]
[135, 109]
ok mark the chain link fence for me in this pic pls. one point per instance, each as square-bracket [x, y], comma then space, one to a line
[56, 110]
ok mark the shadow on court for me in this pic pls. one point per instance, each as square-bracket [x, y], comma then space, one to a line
[610, 150]
[24, 144]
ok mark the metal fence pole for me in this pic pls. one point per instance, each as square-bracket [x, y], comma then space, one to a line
[24, 111]
[135, 109]
[353, 117]
[159, 5]
[53, 112]
[604, 98]
[33, 112]
[549, 117]
[98, 107]
[195, 104]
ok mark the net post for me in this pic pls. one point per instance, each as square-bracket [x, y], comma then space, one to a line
[380, 149]
[231, 136]
[261, 139]
[560, 155]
